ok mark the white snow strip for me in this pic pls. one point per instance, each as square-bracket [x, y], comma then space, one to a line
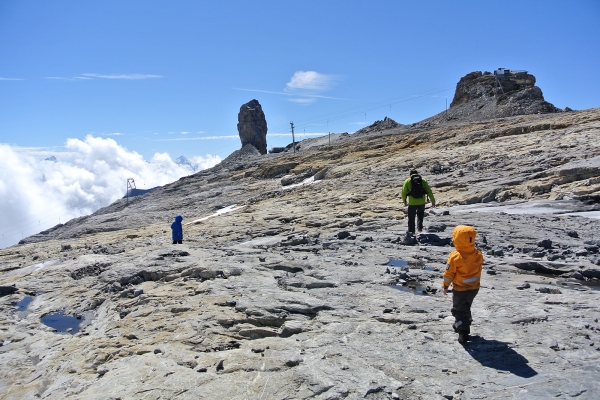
[267, 241]
[31, 268]
[588, 214]
[536, 207]
[223, 210]
[307, 181]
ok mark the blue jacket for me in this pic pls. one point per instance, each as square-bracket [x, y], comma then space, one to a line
[177, 228]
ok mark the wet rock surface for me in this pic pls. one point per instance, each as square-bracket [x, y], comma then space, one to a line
[315, 290]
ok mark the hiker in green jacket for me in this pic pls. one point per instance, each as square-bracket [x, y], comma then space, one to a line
[416, 188]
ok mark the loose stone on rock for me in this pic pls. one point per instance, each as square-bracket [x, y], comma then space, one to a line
[293, 362]
[343, 235]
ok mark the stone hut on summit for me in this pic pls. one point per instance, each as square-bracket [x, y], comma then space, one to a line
[252, 126]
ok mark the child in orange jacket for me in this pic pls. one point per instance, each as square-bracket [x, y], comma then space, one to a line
[464, 273]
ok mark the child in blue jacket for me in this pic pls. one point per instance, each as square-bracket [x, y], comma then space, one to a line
[177, 230]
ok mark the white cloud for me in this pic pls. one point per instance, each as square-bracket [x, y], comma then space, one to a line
[303, 100]
[90, 76]
[10, 79]
[199, 138]
[290, 94]
[35, 194]
[304, 87]
[114, 134]
[310, 80]
[205, 162]
[358, 123]
[298, 134]
[184, 133]
[121, 76]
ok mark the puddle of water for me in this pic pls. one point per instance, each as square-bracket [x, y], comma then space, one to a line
[413, 289]
[23, 304]
[397, 263]
[394, 262]
[62, 322]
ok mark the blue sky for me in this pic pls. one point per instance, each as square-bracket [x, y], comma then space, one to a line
[119, 89]
[165, 76]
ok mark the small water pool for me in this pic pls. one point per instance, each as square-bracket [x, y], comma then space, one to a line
[415, 288]
[23, 304]
[394, 262]
[62, 322]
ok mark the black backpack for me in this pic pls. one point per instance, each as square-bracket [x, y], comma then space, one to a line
[416, 187]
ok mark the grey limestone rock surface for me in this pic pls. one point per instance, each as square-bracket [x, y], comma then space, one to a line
[308, 290]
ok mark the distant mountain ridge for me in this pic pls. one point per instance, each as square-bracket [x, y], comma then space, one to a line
[183, 161]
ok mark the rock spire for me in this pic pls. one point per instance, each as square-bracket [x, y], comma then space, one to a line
[252, 126]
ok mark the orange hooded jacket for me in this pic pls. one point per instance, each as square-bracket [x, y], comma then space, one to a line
[464, 264]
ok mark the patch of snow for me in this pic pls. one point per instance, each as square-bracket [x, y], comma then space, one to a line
[223, 210]
[588, 214]
[31, 268]
[267, 241]
[307, 181]
[536, 207]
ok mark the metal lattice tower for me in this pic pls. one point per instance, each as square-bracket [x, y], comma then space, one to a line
[130, 187]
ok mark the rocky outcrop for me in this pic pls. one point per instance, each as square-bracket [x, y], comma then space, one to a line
[477, 85]
[252, 126]
[484, 96]
[379, 126]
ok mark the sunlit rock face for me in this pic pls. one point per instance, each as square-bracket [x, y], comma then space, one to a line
[252, 126]
[482, 96]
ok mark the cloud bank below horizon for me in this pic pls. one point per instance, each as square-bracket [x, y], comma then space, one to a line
[36, 194]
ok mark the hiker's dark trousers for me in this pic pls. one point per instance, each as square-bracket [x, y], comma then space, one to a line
[461, 309]
[419, 212]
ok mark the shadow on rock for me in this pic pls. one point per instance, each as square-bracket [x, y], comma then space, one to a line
[434, 240]
[497, 355]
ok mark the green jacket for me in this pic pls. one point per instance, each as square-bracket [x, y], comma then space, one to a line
[413, 201]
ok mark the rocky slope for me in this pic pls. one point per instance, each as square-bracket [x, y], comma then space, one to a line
[294, 280]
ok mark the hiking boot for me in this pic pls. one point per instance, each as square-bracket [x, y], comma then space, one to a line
[463, 337]
[456, 325]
